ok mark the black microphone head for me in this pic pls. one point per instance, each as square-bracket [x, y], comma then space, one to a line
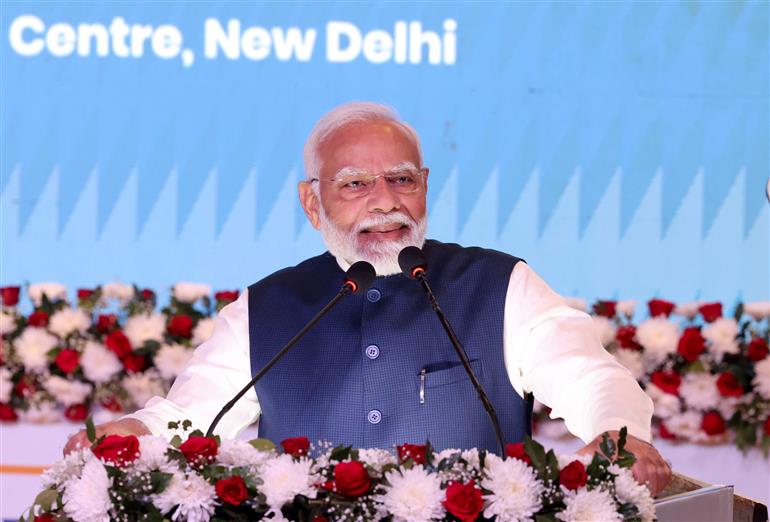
[360, 276]
[412, 261]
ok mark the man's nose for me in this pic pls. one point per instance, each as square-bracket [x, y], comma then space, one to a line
[382, 198]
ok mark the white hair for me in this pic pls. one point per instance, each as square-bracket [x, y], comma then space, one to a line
[345, 114]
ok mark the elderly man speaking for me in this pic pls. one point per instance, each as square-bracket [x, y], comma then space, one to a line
[378, 370]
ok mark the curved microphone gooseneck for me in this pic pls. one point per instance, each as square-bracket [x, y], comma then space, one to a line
[359, 277]
[414, 265]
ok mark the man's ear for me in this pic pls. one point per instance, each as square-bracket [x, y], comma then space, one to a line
[310, 203]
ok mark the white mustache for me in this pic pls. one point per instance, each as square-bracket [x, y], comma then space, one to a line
[396, 218]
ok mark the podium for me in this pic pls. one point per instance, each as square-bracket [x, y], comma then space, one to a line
[687, 499]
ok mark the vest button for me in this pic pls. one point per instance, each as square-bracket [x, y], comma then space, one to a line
[374, 416]
[372, 351]
[373, 295]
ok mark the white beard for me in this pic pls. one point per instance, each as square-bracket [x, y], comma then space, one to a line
[382, 255]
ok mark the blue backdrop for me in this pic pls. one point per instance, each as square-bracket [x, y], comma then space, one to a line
[621, 148]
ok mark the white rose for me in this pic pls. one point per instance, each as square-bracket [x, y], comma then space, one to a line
[723, 335]
[42, 412]
[99, 364]
[688, 310]
[699, 391]
[53, 292]
[119, 291]
[171, 359]
[190, 292]
[32, 348]
[203, 331]
[666, 405]
[6, 385]
[7, 322]
[659, 337]
[577, 303]
[144, 327]
[66, 392]
[69, 320]
[626, 308]
[141, 387]
[605, 329]
[761, 380]
[758, 309]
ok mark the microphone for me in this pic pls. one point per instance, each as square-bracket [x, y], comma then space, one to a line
[359, 277]
[414, 265]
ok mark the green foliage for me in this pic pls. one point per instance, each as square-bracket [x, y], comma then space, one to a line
[90, 429]
[262, 444]
[340, 453]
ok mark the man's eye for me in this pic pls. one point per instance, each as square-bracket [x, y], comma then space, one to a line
[354, 184]
[401, 180]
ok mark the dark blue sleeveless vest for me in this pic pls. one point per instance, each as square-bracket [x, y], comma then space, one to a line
[379, 370]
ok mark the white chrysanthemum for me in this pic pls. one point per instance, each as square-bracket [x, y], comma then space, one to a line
[202, 331]
[53, 291]
[686, 425]
[6, 385]
[659, 337]
[144, 327]
[688, 310]
[41, 412]
[190, 292]
[757, 310]
[98, 363]
[629, 491]
[699, 390]
[119, 291]
[626, 308]
[284, 478]
[583, 504]
[69, 320]
[141, 387]
[87, 499]
[631, 360]
[376, 458]
[761, 380]
[515, 491]
[194, 498]
[728, 405]
[665, 404]
[32, 348]
[723, 335]
[235, 452]
[152, 454]
[66, 469]
[171, 360]
[7, 322]
[577, 303]
[604, 328]
[412, 495]
[67, 392]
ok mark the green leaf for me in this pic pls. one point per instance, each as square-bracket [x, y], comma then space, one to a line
[176, 441]
[186, 424]
[47, 499]
[262, 444]
[173, 425]
[196, 433]
[607, 446]
[738, 313]
[340, 453]
[159, 480]
[545, 517]
[90, 429]
[536, 453]
[552, 466]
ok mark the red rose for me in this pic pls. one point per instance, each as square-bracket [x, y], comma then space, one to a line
[118, 343]
[84, 294]
[713, 423]
[47, 517]
[516, 451]
[351, 479]
[181, 326]
[9, 295]
[667, 381]
[112, 404]
[199, 450]
[117, 449]
[76, 413]
[464, 501]
[106, 323]
[574, 475]
[416, 452]
[320, 518]
[664, 433]
[67, 360]
[25, 387]
[605, 309]
[7, 413]
[232, 490]
[148, 295]
[296, 446]
[133, 362]
[691, 344]
[38, 318]
[757, 349]
[226, 296]
[660, 307]
[729, 386]
[711, 311]
[767, 427]
[626, 337]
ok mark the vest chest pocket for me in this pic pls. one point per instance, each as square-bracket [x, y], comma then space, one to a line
[441, 374]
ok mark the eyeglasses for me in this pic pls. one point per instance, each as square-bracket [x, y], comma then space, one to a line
[359, 183]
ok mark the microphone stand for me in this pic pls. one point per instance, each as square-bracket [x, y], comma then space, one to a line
[420, 276]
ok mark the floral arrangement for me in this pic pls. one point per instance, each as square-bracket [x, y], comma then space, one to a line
[130, 478]
[708, 375]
